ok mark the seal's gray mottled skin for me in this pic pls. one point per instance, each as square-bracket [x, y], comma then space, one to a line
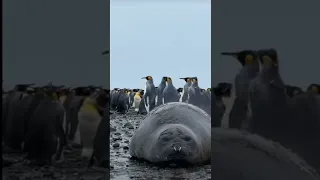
[238, 155]
[172, 127]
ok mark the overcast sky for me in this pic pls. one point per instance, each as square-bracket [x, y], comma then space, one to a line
[160, 38]
[59, 41]
[290, 27]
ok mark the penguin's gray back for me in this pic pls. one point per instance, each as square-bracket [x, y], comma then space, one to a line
[170, 94]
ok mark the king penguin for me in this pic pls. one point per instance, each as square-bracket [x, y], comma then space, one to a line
[268, 108]
[250, 69]
[305, 120]
[90, 115]
[160, 89]
[150, 94]
[170, 93]
[184, 94]
[194, 93]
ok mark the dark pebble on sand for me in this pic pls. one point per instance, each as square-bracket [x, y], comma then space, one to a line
[125, 147]
[117, 134]
[115, 145]
[116, 138]
[128, 125]
[112, 129]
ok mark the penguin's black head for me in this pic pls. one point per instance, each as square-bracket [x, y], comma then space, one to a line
[187, 79]
[147, 77]
[164, 78]
[135, 90]
[168, 79]
[209, 89]
[314, 88]
[194, 79]
[180, 90]
[141, 92]
[268, 57]
[245, 57]
[202, 90]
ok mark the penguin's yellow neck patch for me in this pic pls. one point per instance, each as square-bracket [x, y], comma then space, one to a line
[54, 96]
[315, 89]
[266, 60]
[89, 107]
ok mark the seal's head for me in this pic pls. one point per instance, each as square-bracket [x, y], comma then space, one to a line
[176, 144]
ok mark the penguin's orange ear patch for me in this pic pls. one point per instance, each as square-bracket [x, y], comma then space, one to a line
[249, 59]
[188, 80]
[149, 77]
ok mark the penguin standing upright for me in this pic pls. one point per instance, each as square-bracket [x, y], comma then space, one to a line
[250, 69]
[90, 115]
[194, 93]
[13, 119]
[123, 101]
[160, 89]
[184, 96]
[142, 108]
[268, 99]
[136, 101]
[170, 93]
[149, 94]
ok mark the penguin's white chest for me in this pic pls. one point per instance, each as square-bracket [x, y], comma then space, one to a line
[89, 120]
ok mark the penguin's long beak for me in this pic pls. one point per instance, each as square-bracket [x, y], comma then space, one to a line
[144, 77]
[105, 52]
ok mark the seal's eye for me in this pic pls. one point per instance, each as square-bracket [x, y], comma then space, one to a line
[165, 139]
[187, 138]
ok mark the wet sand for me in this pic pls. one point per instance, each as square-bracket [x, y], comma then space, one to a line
[122, 167]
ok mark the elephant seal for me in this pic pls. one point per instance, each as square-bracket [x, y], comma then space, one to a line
[175, 132]
[244, 156]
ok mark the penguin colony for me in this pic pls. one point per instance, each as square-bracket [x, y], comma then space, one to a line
[43, 122]
[265, 105]
[144, 101]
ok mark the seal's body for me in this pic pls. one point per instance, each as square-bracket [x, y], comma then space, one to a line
[173, 132]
